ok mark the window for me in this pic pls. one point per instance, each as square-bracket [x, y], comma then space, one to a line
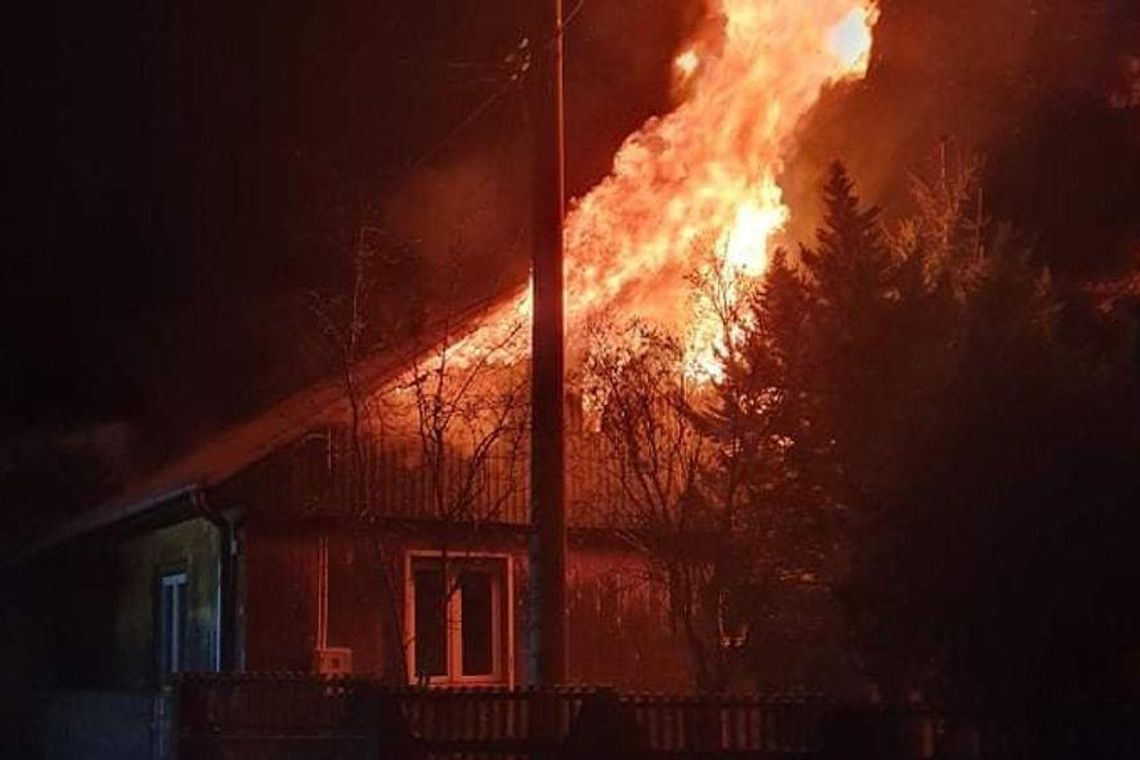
[171, 628]
[430, 632]
[458, 619]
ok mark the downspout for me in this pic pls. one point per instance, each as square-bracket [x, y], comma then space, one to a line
[226, 521]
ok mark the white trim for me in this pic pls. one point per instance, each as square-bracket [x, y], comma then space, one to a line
[322, 632]
[502, 613]
[218, 612]
[171, 620]
[509, 606]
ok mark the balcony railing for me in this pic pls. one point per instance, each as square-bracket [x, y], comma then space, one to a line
[391, 478]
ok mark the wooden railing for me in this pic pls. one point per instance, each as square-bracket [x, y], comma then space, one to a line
[303, 715]
[394, 482]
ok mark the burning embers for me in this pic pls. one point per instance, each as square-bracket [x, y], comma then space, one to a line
[696, 190]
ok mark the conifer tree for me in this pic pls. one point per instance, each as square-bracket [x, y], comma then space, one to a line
[833, 381]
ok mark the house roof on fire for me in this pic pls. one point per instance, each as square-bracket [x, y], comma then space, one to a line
[232, 450]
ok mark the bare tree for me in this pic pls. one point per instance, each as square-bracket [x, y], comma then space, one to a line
[662, 464]
[372, 313]
[462, 411]
[707, 486]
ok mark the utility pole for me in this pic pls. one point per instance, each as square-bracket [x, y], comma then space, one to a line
[547, 609]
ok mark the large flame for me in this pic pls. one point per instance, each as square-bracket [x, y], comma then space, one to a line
[705, 175]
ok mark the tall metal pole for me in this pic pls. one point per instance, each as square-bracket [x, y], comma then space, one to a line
[547, 634]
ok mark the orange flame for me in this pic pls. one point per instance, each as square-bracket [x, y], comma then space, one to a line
[706, 173]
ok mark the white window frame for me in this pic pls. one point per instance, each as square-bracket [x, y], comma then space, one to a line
[170, 661]
[502, 606]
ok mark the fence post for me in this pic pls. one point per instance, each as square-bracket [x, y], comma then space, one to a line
[542, 722]
[196, 718]
[376, 712]
[603, 729]
[852, 731]
[883, 732]
[164, 723]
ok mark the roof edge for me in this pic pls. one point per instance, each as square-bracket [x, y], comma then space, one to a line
[110, 514]
[381, 367]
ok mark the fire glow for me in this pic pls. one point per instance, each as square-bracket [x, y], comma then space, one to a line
[686, 63]
[701, 180]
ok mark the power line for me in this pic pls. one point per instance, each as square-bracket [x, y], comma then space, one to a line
[515, 67]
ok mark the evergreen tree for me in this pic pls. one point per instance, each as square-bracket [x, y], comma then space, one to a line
[905, 414]
[811, 405]
[909, 437]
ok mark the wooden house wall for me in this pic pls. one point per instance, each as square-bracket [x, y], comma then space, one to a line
[192, 547]
[280, 600]
[618, 621]
[360, 615]
[315, 475]
[618, 626]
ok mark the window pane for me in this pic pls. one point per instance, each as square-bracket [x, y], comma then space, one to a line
[176, 627]
[170, 636]
[165, 634]
[430, 623]
[477, 622]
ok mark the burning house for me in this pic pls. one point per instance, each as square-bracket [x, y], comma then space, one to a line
[377, 523]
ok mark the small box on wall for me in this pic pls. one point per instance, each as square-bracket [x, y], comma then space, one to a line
[332, 660]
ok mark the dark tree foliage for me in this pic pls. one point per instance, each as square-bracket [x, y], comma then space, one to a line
[957, 468]
[1002, 562]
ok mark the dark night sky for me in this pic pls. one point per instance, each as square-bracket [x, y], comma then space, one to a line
[173, 171]
[174, 174]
